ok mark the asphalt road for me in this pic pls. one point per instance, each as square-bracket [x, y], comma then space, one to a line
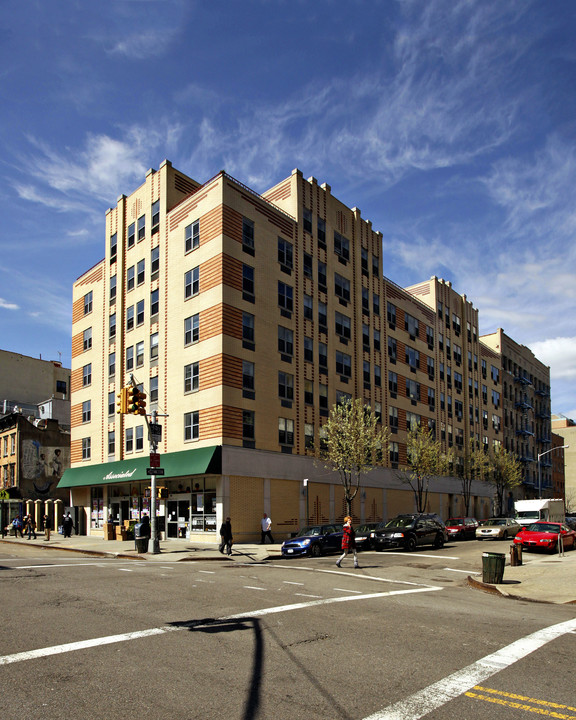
[402, 637]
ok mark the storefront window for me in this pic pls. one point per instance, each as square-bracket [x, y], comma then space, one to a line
[203, 507]
[97, 507]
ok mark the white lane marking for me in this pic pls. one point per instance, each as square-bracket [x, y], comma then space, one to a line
[439, 693]
[96, 642]
[124, 569]
[253, 587]
[468, 572]
[207, 572]
[306, 595]
[356, 575]
[163, 567]
[419, 555]
[66, 565]
[350, 591]
[289, 582]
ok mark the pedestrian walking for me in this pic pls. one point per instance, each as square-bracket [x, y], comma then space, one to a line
[17, 525]
[47, 527]
[30, 526]
[67, 525]
[266, 524]
[226, 537]
[348, 542]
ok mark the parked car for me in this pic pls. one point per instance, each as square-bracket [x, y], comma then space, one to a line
[497, 529]
[543, 534]
[570, 521]
[314, 541]
[409, 532]
[460, 528]
[363, 539]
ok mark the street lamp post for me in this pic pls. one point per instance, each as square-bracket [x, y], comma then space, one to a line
[560, 447]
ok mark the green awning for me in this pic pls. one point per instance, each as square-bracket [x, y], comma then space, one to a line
[178, 464]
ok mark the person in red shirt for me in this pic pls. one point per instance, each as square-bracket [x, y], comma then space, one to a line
[348, 542]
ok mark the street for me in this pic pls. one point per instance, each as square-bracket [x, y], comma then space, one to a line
[402, 637]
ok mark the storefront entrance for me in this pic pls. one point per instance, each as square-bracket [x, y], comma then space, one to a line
[177, 516]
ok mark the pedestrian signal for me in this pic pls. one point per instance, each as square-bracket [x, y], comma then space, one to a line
[122, 401]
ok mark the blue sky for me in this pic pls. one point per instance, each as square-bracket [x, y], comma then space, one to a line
[450, 123]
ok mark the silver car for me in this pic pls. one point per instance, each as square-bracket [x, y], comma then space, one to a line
[497, 529]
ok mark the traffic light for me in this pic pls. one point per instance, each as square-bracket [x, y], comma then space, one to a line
[122, 402]
[136, 402]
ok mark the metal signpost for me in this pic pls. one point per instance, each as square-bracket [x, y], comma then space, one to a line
[155, 436]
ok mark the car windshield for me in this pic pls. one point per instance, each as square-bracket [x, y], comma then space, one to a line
[544, 527]
[310, 531]
[400, 522]
[496, 521]
[455, 521]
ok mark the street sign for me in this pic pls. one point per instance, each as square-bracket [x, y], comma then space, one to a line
[155, 432]
[154, 460]
[154, 471]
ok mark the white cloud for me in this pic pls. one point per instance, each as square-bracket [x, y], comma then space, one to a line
[5, 305]
[560, 354]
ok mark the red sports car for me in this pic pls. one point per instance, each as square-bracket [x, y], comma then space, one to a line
[545, 535]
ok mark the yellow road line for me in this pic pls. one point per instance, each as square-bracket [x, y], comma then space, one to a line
[521, 705]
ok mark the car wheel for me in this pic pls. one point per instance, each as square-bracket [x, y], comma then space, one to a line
[439, 542]
[315, 551]
[505, 536]
[410, 544]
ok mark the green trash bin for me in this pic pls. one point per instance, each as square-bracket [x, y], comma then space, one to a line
[493, 567]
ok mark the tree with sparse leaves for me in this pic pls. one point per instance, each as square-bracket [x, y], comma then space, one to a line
[352, 444]
[425, 461]
[475, 466]
[506, 474]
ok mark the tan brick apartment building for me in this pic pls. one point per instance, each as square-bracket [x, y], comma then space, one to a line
[245, 317]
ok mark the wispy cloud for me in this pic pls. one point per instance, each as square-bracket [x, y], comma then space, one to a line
[5, 305]
[560, 354]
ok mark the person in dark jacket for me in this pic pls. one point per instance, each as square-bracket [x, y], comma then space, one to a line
[68, 525]
[47, 527]
[348, 542]
[226, 537]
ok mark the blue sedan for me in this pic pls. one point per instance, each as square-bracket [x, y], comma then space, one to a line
[314, 541]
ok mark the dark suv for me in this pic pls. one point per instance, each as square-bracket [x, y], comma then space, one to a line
[410, 531]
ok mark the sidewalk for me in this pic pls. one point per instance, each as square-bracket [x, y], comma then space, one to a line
[541, 577]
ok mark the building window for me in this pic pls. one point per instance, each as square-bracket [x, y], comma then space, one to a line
[192, 425]
[87, 375]
[130, 317]
[113, 289]
[129, 439]
[285, 254]
[391, 314]
[412, 389]
[112, 327]
[364, 260]
[342, 288]
[139, 312]
[191, 282]
[430, 336]
[377, 376]
[248, 330]
[307, 220]
[308, 436]
[343, 364]
[111, 442]
[155, 217]
[394, 452]
[155, 260]
[131, 235]
[393, 419]
[366, 337]
[285, 386]
[308, 307]
[130, 358]
[113, 248]
[322, 275]
[322, 356]
[88, 302]
[140, 354]
[342, 325]
[307, 265]
[248, 236]
[285, 341]
[376, 303]
[141, 227]
[153, 346]
[309, 392]
[308, 349]
[192, 329]
[412, 357]
[323, 396]
[86, 411]
[378, 411]
[321, 229]
[341, 246]
[411, 325]
[285, 297]
[248, 379]
[130, 278]
[248, 425]
[140, 272]
[154, 302]
[495, 374]
[322, 316]
[191, 377]
[285, 431]
[392, 349]
[140, 437]
[111, 364]
[393, 382]
[61, 387]
[87, 338]
[111, 403]
[192, 236]
[376, 334]
[248, 283]
[86, 448]
[366, 373]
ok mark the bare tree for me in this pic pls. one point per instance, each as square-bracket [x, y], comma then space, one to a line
[425, 461]
[506, 474]
[475, 466]
[352, 444]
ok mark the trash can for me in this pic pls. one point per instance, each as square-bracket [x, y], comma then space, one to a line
[141, 537]
[493, 567]
[515, 555]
